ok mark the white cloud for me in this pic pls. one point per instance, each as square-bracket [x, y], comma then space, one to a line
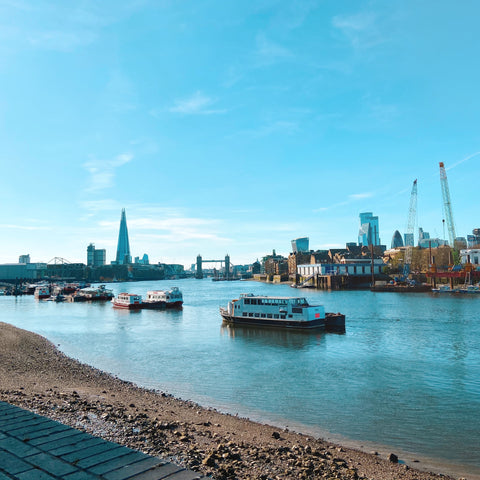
[24, 227]
[361, 29]
[269, 52]
[102, 172]
[197, 104]
[360, 196]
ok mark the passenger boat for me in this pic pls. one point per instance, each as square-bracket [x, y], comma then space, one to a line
[129, 301]
[282, 312]
[42, 291]
[159, 299]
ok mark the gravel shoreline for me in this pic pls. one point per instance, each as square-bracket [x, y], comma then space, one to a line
[36, 376]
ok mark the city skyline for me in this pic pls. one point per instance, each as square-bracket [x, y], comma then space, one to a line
[232, 128]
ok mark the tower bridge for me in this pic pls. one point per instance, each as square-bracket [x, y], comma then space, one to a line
[200, 262]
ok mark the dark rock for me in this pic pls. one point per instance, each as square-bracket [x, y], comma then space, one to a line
[393, 458]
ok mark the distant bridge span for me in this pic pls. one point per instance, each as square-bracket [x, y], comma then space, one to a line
[200, 262]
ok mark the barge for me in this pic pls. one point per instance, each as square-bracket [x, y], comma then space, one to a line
[280, 312]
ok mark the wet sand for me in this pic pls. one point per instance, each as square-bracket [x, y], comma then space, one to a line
[36, 376]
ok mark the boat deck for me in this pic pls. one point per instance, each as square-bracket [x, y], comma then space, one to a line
[33, 447]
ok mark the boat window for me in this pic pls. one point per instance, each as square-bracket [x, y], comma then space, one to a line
[276, 316]
[257, 315]
[290, 316]
[296, 310]
[263, 315]
[247, 301]
[269, 315]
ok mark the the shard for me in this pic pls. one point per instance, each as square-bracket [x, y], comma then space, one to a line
[123, 247]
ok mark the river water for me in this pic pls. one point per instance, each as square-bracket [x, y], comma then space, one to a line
[406, 373]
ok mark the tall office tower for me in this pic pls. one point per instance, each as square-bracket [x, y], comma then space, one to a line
[397, 240]
[368, 233]
[300, 245]
[90, 255]
[95, 257]
[123, 247]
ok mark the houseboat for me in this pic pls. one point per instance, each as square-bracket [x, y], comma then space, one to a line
[281, 312]
[129, 301]
[159, 299]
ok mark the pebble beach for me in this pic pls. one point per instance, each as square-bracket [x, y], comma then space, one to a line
[35, 375]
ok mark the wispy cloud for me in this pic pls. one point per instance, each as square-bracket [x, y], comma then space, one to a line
[102, 172]
[24, 227]
[354, 197]
[360, 196]
[463, 160]
[61, 40]
[277, 127]
[196, 104]
[268, 52]
[361, 29]
[172, 228]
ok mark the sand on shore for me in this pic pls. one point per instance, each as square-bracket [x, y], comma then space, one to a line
[37, 376]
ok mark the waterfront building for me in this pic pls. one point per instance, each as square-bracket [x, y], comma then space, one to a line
[300, 245]
[471, 255]
[369, 233]
[142, 261]
[397, 241]
[123, 246]
[96, 257]
[23, 271]
[474, 239]
[354, 267]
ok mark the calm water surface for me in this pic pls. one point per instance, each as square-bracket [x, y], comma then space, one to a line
[405, 374]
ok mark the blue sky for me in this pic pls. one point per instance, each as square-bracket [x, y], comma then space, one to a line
[232, 127]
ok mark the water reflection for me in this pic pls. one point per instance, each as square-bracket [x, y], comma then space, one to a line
[291, 339]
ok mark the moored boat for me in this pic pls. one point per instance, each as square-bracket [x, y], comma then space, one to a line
[280, 312]
[92, 294]
[130, 301]
[42, 291]
[445, 289]
[159, 299]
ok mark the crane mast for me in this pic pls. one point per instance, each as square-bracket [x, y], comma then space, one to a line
[412, 215]
[447, 205]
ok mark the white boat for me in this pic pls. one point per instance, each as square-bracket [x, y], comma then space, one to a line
[129, 301]
[470, 289]
[445, 289]
[281, 312]
[159, 299]
[42, 291]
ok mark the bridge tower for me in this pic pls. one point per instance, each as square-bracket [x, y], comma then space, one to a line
[199, 271]
[227, 266]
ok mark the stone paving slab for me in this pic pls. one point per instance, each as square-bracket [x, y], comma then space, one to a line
[33, 447]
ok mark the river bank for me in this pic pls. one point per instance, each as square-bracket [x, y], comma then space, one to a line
[36, 376]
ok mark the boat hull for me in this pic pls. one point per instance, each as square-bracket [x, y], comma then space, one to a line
[161, 305]
[331, 322]
[131, 306]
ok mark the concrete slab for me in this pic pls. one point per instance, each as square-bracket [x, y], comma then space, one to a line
[33, 447]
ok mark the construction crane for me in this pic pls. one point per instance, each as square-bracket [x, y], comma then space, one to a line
[409, 237]
[447, 205]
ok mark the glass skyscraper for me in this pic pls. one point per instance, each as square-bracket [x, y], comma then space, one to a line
[368, 233]
[123, 246]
